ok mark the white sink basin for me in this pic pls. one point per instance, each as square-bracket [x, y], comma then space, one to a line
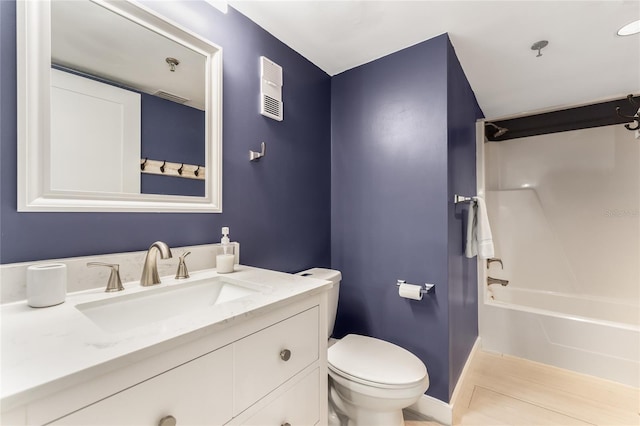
[133, 310]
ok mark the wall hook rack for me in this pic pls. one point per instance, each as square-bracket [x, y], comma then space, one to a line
[166, 168]
[635, 118]
[255, 156]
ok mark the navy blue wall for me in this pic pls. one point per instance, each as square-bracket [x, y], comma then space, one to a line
[381, 147]
[175, 133]
[462, 113]
[278, 209]
[394, 143]
[389, 215]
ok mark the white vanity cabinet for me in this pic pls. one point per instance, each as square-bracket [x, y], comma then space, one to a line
[296, 406]
[269, 369]
[195, 393]
[271, 356]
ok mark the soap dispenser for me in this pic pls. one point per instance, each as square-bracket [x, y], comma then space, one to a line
[225, 261]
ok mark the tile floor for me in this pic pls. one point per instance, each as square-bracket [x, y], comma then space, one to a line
[502, 390]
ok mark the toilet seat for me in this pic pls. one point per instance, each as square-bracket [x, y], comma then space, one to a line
[376, 363]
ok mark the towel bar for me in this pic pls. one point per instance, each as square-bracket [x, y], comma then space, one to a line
[462, 199]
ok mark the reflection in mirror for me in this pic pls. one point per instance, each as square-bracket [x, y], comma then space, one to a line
[126, 87]
[120, 101]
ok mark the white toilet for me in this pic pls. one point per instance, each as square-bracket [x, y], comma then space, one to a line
[370, 380]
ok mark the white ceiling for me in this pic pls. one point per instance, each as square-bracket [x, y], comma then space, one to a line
[585, 61]
[91, 39]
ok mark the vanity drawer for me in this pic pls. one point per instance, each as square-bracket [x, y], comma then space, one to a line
[298, 406]
[195, 393]
[269, 357]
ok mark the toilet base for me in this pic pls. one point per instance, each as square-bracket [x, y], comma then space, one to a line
[358, 415]
[378, 419]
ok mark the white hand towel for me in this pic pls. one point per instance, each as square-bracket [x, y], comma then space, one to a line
[479, 239]
[471, 247]
[483, 230]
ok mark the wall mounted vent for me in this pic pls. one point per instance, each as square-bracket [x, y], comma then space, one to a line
[171, 97]
[271, 89]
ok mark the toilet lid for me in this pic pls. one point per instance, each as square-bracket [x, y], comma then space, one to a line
[374, 360]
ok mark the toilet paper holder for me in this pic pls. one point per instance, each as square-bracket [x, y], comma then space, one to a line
[428, 288]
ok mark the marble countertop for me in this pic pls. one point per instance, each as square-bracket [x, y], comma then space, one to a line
[43, 345]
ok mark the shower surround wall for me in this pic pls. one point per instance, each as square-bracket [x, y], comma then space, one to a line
[565, 215]
[567, 207]
[277, 208]
[403, 142]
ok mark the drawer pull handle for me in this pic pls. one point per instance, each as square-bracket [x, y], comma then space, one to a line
[167, 421]
[286, 424]
[285, 354]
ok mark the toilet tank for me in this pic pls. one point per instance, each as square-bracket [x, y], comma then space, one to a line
[332, 299]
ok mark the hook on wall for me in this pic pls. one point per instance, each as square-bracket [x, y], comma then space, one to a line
[635, 118]
[255, 156]
[167, 168]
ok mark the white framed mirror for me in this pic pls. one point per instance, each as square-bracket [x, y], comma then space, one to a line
[119, 110]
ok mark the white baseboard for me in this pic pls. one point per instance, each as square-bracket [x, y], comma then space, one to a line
[465, 370]
[440, 411]
[433, 408]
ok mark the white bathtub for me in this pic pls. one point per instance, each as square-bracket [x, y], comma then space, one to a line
[599, 337]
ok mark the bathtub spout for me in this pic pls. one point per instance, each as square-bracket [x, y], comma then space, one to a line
[491, 280]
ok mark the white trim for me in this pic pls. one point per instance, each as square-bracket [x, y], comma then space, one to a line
[480, 190]
[463, 375]
[433, 408]
[440, 411]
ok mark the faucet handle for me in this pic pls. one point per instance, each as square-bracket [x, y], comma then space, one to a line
[182, 267]
[494, 259]
[114, 283]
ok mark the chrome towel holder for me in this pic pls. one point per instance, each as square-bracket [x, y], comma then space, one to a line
[462, 199]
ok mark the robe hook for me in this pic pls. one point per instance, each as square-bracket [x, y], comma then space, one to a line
[255, 156]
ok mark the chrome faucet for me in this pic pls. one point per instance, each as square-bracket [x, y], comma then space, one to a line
[491, 280]
[150, 269]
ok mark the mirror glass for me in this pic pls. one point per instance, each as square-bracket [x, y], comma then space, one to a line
[131, 117]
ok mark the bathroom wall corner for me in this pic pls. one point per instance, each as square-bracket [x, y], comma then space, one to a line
[389, 201]
[462, 113]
